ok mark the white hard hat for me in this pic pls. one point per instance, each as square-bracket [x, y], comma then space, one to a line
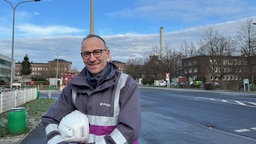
[74, 127]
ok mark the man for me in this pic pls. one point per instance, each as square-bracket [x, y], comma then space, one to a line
[113, 111]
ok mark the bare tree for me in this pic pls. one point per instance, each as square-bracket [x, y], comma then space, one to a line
[134, 68]
[188, 49]
[247, 42]
[217, 48]
[153, 68]
[173, 63]
[213, 44]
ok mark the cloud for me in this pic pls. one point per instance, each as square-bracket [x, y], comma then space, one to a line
[35, 30]
[123, 47]
[36, 13]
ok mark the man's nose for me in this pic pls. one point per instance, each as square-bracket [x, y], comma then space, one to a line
[92, 57]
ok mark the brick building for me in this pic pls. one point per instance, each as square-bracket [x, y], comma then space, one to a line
[229, 71]
[45, 70]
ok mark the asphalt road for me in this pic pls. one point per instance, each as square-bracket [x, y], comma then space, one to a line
[178, 116]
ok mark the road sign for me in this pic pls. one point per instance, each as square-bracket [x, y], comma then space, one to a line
[246, 81]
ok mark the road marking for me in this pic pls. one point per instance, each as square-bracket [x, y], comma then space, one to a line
[224, 100]
[242, 130]
[239, 102]
[253, 103]
[243, 103]
[254, 128]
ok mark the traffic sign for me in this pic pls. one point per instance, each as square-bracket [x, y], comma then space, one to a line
[246, 81]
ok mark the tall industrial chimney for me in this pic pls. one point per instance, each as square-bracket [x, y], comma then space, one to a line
[91, 16]
[162, 42]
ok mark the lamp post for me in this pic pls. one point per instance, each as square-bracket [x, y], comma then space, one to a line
[57, 60]
[13, 22]
[253, 67]
[57, 65]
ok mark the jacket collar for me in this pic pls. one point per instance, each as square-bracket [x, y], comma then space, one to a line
[95, 80]
[81, 79]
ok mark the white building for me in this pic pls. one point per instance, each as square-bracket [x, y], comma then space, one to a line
[5, 69]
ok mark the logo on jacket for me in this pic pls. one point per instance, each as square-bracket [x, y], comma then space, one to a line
[105, 104]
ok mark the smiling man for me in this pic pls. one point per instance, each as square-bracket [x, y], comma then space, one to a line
[94, 45]
[108, 97]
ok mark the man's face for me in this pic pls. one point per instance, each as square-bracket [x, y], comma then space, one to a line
[95, 62]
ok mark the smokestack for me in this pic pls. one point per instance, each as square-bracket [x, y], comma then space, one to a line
[91, 16]
[162, 43]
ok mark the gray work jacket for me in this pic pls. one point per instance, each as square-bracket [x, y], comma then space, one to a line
[99, 102]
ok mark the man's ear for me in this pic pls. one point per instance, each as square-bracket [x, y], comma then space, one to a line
[108, 55]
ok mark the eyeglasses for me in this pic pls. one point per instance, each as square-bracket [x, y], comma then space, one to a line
[97, 53]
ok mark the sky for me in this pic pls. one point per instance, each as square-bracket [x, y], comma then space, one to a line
[52, 29]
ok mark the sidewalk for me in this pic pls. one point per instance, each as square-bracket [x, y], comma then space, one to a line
[19, 138]
[37, 133]
[13, 140]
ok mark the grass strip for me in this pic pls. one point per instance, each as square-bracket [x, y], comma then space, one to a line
[34, 110]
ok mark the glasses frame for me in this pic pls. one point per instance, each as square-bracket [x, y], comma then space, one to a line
[96, 53]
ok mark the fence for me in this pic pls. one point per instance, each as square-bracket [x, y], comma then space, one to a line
[14, 98]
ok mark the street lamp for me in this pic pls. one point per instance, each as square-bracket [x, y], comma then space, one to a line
[57, 70]
[57, 60]
[13, 22]
[252, 67]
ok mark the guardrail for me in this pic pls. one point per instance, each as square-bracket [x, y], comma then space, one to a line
[14, 98]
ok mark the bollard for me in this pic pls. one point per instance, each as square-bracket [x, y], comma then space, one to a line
[38, 94]
[49, 93]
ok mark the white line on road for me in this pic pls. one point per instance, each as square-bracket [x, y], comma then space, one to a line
[253, 103]
[242, 130]
[243, 103]
[240, 103]
[254, 128]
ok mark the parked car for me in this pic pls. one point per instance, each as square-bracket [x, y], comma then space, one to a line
[163, 83]
[211, 85]
[195, 84]
[173, 84]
